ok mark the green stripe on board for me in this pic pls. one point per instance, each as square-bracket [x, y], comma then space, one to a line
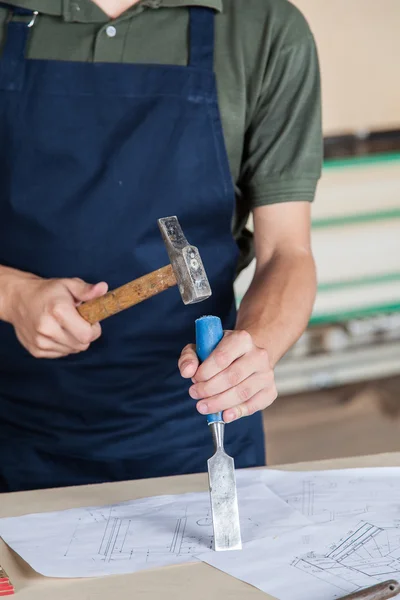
[356, 219]
[347, 315]
[360, 161]
[359, 282]
[370, 311]
[339, 316]
[334, 286]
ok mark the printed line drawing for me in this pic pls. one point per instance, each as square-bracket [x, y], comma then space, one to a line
[324, 499]
[134, 535]
[366, 555]
[120, 538]
[310, 502]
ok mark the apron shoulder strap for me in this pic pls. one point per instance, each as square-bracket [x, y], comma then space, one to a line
[17, 10]
[12, 64]
[201, 36]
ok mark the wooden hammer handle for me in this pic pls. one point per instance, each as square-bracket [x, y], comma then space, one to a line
[128, 295]
[382, 591]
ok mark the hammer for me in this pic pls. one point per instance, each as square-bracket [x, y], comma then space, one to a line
[185, 270]
[382, 591]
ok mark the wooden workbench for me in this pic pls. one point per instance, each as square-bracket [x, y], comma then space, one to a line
[189, 582]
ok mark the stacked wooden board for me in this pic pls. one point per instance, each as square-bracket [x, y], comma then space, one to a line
[356, 242]
[356, 237]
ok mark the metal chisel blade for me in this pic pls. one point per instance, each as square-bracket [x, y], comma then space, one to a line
[224, 502]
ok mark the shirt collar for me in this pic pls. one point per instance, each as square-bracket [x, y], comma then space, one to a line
[86, 11]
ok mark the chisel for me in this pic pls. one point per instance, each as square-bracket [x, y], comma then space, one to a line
[221, 467]
[382, 591]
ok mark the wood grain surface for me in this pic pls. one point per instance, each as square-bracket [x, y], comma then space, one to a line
[128, 295]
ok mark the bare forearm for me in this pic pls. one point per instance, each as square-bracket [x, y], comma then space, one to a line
[278, 304]
[9, 279]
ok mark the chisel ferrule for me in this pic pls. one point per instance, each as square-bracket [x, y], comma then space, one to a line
[218, 430]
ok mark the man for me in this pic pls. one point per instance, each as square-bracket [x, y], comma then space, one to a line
[114, 113]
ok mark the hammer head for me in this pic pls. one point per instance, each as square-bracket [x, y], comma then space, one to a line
[185, 261]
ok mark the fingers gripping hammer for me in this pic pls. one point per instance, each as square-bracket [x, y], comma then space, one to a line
[185, 270]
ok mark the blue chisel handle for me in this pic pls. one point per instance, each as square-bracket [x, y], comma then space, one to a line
[209, 333]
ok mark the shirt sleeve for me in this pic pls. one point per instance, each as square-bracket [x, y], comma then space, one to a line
[283, 151]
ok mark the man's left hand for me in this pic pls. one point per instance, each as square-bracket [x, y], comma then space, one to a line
[237, 378]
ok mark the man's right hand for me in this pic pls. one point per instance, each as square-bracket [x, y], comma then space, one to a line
[43, 313]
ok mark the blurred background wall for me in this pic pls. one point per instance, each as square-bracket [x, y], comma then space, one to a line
[340, 385]
[359, 47]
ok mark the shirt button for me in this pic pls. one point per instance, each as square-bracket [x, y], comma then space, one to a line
[111, 31]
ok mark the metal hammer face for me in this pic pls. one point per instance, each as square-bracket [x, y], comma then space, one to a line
[185, 261]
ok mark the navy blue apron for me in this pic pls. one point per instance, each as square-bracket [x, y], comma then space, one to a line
[91, 155]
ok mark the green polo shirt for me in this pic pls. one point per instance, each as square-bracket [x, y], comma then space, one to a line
[267, 73]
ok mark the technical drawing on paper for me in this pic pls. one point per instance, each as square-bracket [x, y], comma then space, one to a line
[326, 497]
[368, 554]
[119, 536]
[138, 534]
[311, 503]
[144, 532]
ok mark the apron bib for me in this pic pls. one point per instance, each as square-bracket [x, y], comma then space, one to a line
[91, 155]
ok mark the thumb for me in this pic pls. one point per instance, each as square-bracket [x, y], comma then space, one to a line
[83, 292]
[188, 362]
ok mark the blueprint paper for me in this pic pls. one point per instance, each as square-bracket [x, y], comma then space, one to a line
[325, 496]
[321, 561]
[137, 535]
